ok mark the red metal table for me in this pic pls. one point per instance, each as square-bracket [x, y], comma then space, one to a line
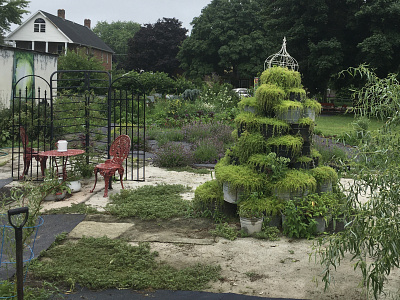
[64, 155]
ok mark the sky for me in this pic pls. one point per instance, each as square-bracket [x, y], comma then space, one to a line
[139, 11]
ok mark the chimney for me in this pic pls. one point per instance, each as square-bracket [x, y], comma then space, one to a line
[61, 13]
[87, 23]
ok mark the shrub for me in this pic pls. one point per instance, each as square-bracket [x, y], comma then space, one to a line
[209, 150]
[173, 155]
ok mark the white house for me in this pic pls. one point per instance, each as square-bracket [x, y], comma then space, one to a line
[54, 34]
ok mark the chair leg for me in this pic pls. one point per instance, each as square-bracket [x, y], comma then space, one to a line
[95, 179]
[107, 180]
[121, 175]
[27, 162]
[43, 161]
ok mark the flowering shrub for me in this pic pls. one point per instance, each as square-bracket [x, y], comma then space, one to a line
[173, 155]
[208, 150]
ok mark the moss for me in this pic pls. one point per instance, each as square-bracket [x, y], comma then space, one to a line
[284, 106]
[282, 77]
[240, 177]
[268, 96]
[295, 143]
[296, 181]
[208, 196]
[324, 173]
[249, 144]
[313, 105]
[253, 123]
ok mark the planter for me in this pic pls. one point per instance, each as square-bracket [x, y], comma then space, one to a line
[320, 226]
[275, 221]
[283, 151]
[75, 186]
[231, 195]
[306, 150]
[56, 196]
[309, 113]
[325, 186]
[267, 131]
[302, 165]
[251, 225]
[303, 131]
[292, 115]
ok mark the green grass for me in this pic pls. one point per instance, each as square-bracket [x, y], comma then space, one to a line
[101, 263]
[80, 208]
[336, 125]
[150, 202]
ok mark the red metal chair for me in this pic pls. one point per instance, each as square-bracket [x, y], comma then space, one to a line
[119, 151]
[30, 153]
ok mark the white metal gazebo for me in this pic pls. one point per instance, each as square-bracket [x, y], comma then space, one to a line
[281, 59]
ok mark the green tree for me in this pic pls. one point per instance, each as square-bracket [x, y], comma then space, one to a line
[228, 39]
[155, 46]
[116, 35]
[11, 12]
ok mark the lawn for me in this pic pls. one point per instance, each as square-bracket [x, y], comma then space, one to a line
[336, 125]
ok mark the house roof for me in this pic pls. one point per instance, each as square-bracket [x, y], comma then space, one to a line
[79, 34]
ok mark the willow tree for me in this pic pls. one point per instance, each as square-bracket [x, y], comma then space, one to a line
[372, 234]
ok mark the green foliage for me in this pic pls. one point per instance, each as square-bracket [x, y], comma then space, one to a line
[296, 224]
[80, 208]
[285, 106]
[282, 77]
[149, 82]
[268, 96]
[240, 177]
[191, 95]
[11, 13]
[78, 60]
[116, 35]
[149, 202]
[155, 47]
[268, 233]
[253, 123]
[104, 263]
[247, 102]
[324, 173]
[296, 94]
[208, 196]
[226, 231]
[172, 155]
[296, 181]
[373, 230]
[295, 143]
[275, 166]
[312, 104]
[249, 144]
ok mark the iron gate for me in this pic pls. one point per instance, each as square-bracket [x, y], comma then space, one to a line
[86, 108]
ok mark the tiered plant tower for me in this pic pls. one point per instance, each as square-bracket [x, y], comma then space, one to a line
[272, 160]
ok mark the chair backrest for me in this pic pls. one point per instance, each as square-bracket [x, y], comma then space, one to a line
[120, 148]
[24, 137]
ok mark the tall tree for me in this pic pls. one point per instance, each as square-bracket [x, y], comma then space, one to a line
[155, 46]
[228, 38]
[11, 12]
[116, 35]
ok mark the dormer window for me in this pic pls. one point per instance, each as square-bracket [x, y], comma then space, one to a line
[39, 25]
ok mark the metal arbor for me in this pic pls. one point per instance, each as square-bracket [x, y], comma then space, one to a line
[281, 59]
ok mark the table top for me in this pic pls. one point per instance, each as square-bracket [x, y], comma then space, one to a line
[56, 153]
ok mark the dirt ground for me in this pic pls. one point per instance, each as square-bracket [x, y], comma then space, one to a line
[261, 268]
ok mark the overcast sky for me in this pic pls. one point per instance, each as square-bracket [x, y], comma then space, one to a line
[139, 11]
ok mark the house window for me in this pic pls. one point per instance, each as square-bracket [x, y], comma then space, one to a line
[39, 25]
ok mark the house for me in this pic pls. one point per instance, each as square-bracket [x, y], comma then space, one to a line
[45, 32]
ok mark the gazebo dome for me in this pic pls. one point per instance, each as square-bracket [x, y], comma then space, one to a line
[281, 59]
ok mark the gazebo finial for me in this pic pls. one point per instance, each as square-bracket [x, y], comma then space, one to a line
[282, 59]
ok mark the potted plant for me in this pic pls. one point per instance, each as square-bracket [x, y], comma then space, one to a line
[303, 128]
[248, 104]
[296, 94]
[273, 211]
[54, 188]
[296, 183]
[325, 177]
[268, 127]
[208, 197]
[287, 146]
[271, 164]
[238, 180]
[249, 144]
[303, 162]
[268, 96]
[251, 212]
[282, 77]
[289, 111]
[311, 108]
